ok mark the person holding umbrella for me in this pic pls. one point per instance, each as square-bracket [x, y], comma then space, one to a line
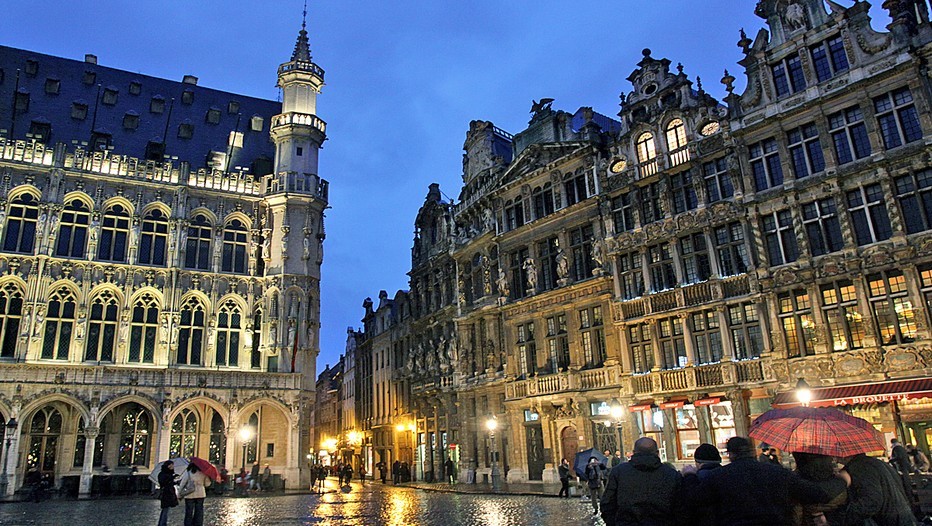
[193, 488]
[167, 494]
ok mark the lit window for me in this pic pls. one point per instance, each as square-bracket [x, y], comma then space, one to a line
[676, 142]
[183, 442]
[795, 313]
[191, 333]
[256, 123]
[102, 328]
[893, 311]
[845, 322]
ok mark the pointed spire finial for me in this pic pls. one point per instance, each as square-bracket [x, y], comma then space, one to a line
[302, 51]
[304, 16]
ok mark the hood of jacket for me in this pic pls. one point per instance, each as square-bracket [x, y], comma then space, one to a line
[645, 461]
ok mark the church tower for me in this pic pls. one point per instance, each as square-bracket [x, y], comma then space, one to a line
[292, 229]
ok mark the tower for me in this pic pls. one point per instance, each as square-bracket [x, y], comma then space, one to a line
[292, 230]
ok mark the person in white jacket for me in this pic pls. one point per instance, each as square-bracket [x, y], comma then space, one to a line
[192, 487]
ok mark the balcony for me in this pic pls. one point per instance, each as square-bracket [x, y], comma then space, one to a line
[297, 183]
[599, 378]
[682, 297]
[29, 152]
[300, 65]
[300, 119]
[699, 377]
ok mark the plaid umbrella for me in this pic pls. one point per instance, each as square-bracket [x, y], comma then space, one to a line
[818, 430]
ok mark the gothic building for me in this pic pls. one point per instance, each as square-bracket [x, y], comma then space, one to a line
[676, 271]
[159, 269]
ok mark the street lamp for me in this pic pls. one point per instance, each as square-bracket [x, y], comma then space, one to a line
[492, 424]
[803, 393]
[8, 431]
[245, 435]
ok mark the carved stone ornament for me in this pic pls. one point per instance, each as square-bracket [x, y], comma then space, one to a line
[786, 276]
[901, 359]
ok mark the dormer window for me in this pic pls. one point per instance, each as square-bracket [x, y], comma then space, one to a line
[131, 120]
[255, 123]
[32, 67]
[233, 107]
[185, 131]
[647, 154]
[213, 116]
[52, 86]
[157, 105]
[89, 78]
[78, 111]
[135, 88]
[788, 76]
[110, 96]
[187, 97]
[40, 130]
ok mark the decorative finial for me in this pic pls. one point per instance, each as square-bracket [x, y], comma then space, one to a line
[304, 16]
[699, 83]
[744, 43]
[728, 81]
[679, 67]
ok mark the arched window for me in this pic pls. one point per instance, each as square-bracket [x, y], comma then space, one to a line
[20, 226]
[11, 312]
[114, 230]
[252, 449]
[229, 321]
[72, 230]
[197, 248]
[645, 147]
[256, 358]
[154, 238]
[676, 134]
[184, 435]
[44, 434]
[144, 328]
[102, 331]
[217, 453]
[191, 332]
[234, 247]
[59, 325]
[134, 437]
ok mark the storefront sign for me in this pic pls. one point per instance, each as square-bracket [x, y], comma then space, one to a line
[872, 399]
[672, 405]
[707, 401]
[641, 407]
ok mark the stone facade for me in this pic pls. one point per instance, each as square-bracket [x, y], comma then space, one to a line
[671, 272]
[155, 306]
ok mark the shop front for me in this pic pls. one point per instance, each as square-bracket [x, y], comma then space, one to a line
[680, 426]
[898, 408]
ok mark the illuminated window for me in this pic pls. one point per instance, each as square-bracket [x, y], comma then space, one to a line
[135, 430]
[744, 324]
[676, 142]
[893, 311]
[256, 123]
[795, 312]
[645, 147]
[217, 449]
[183, 442]
[102, 328]
[20, 229]
[845, 322]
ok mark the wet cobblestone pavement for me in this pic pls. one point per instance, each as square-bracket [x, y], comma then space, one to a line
[372, 505]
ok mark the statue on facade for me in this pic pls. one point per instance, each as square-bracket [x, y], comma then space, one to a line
[502, 283]
[307, 248]
[488, 220]
[563, 264]
[530, 268]
[267, 248]
[40, 318]
[486, 274]
[598, 257]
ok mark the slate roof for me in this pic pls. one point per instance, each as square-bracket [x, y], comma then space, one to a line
[81, 82]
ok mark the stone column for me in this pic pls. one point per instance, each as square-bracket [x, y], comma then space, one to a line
[739, 406]
[12, 461]
[728, 345]
[87, 468]
[231, 447]
[691, 356]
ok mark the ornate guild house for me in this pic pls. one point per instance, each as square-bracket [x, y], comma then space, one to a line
[160, 261]
[678, 270]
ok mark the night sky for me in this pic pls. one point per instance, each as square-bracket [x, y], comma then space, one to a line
[404, 78]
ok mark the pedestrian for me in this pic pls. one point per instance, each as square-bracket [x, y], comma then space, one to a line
[919, 459]
[313, 472]
[642, 491]
[242, 484]
[267, 478]
[774, 456]
[747, 492]
[707, 459]
[819, 469]
[764, 454]
[254, 482]
[362, 474]
[874, 494]
[167, 494]
[405, 472]
[224, 480]
[564, 471]
[594, 482]
[617, 458]
[899, 457]
[193, 488]
[33, 481]
[449, 471]
[396, 472]
[347, 474]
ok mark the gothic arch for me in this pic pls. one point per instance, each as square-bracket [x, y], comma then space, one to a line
[45, 398]
[150, 404]
[81, 196]
[68, 284]
[118, 200]
[107, 287]
[156, 205]
[211, 217]
[24, 189]
[190, 403]
[247, 222]
[156, 293]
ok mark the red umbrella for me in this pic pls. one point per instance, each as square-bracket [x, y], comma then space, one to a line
[206, 468]
[818, 430]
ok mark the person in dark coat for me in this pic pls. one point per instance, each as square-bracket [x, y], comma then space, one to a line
[564, 471]
[764, 453]
[347, 474]
[382, 471]
[449, 471]
[642, 491]
[396, 472]
[875, 493]
[594, 482]
[919, 459]
[899, 457]
[819, 469]
[750, 493]
[167, 494]
[707, 459]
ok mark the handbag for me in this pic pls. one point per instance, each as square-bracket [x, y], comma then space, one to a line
[186, 487]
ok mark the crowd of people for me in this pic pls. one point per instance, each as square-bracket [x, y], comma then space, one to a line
[859, 490]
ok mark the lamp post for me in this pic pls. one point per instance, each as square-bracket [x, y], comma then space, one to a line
[8, 432]
[803, 393]
[617, 413]
[492, 424]
[245, 435]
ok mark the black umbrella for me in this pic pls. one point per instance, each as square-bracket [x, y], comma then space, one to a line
[582, 459]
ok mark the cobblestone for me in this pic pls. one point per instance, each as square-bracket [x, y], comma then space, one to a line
[371, 505]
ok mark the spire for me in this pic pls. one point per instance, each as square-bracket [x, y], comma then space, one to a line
[302, 51]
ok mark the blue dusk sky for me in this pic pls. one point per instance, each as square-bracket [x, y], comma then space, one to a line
[404, 79]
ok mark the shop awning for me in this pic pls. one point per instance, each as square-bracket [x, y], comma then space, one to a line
[871, 393]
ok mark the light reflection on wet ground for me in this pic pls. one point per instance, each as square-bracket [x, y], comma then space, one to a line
[372, 505]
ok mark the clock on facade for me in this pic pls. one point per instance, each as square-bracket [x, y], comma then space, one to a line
[618, 165]
[710, 128]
